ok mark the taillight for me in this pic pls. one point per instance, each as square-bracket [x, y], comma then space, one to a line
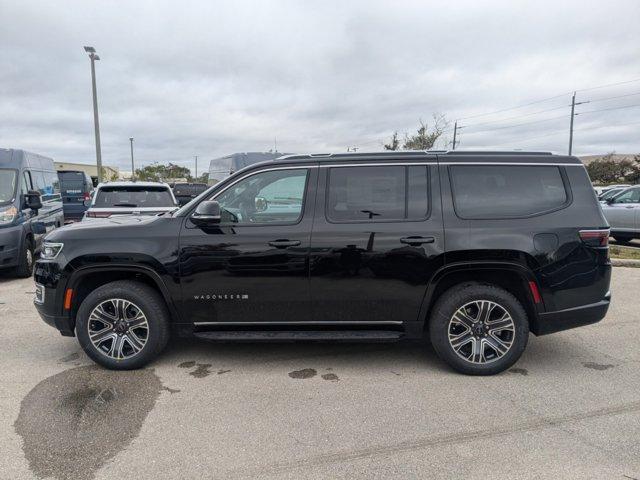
[595, 238]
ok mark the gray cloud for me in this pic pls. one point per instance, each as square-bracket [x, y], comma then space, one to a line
[211, 78]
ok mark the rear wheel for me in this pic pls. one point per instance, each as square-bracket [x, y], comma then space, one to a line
[26, 260]
[123, 325]
[478, 329]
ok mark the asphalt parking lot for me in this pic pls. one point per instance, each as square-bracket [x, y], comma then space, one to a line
[569, 409]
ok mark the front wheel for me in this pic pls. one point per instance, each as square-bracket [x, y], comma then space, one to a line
[479, 329]
[123, 325]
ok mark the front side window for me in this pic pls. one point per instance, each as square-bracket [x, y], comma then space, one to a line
[275, 196]
[506, 191]
[374, 194]
[629, 196]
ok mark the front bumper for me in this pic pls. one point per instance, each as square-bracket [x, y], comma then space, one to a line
[551, 322]
[10, 238]
[64, 324]
[49, 280]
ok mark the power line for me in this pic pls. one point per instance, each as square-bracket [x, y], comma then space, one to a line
[608, 109]
[611, 98]
[549, 98]
[517, 125]
[515, 117]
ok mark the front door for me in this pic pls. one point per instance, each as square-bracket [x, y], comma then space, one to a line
[252, 268]
[377, 240]
[621, 213]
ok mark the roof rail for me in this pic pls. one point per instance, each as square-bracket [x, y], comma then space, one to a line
[489, 152]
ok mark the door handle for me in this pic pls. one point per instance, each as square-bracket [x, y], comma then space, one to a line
[630, 206]
[417, 240]
[284, 243]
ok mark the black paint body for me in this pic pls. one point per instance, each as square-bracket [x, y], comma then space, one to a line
[343, 275]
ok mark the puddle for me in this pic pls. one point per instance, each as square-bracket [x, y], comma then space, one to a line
[72, 423]
[304, 373]
[188, 364]
[597, 366]
[520, 371]
[332, 377]
[201, 371]
[70, 358]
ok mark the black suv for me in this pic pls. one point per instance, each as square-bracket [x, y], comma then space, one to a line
[470, 250]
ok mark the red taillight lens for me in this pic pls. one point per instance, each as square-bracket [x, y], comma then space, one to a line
[595, 238]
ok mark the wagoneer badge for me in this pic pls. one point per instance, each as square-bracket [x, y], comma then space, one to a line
[224, 296]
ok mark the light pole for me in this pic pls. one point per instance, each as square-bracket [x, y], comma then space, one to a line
[96, 123]
[133, 169]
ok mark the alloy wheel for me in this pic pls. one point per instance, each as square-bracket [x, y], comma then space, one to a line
[481, 331]
[118, 328]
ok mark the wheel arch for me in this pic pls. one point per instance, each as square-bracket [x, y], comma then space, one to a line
[511, 277]
[86, 279]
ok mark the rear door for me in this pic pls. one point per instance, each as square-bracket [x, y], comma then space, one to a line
[377, 240]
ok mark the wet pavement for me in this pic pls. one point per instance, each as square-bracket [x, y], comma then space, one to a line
[569, 409]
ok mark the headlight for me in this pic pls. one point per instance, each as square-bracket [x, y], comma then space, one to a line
[50, 250]
[8, 215]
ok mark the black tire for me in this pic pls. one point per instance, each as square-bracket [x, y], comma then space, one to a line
[26, 260]
[622, 239]
[143, 299]
[442, 324]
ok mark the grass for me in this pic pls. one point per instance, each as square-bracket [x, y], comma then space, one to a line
[626, 253]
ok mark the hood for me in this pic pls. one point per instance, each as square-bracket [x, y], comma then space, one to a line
[101, 226]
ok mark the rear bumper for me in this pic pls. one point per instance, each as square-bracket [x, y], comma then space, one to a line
[551, 322]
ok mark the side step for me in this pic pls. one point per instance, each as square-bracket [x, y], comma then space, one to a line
[301, 336]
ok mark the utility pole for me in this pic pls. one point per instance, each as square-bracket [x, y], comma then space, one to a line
[133, 168]
[573, 114]
[455, 134]
[196, 168]
[96, 124]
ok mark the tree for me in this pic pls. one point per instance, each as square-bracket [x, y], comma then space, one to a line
[424, 138]
[606, 170]
[394, 144]
[204, 178]
[158, 173]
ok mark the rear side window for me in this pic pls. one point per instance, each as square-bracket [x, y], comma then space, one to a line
[374, 194]
[506, 191]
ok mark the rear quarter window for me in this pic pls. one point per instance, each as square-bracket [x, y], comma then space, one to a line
[507, 191]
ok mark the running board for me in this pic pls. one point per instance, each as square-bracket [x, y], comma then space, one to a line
[301, 336]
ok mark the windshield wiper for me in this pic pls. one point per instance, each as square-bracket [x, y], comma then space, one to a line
[125, 205]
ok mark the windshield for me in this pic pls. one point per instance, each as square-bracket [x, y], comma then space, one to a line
[133, 196]
[611, 193]
[7, 185]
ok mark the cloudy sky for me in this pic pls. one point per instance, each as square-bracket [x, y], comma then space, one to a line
[210, 78]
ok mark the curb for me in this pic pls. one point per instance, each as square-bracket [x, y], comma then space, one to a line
[621, 262]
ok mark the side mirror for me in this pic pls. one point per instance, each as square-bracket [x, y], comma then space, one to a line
[34, 200]
[207, 213]
[610, 200]
[261, 204]
[87, 202]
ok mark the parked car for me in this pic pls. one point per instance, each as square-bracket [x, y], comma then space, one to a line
[185, 192]
[611, 191]
[221, 168]
[30, 206]
[130, 198]
[76, 187]
[472, 250]
[622, 211]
